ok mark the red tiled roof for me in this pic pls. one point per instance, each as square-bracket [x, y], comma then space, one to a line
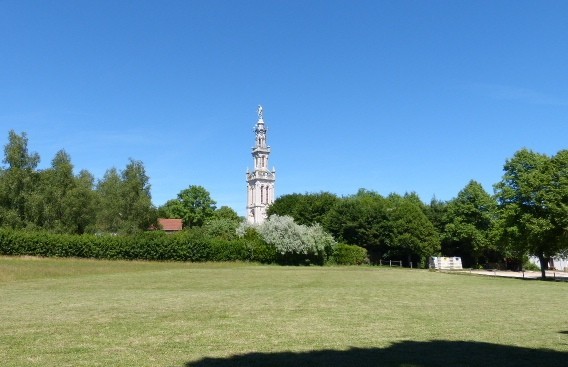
[170, 224]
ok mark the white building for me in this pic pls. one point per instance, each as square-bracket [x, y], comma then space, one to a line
[260, 182]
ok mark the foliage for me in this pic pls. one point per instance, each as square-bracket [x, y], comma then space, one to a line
[221, 228]
[124, 200]
[470, 220]
[294, 243]
[359, 220]
[409, 234]
[227, 213]
[306, 209]
[193, 205]
[18, 181]
[349, 255]
[533, 202]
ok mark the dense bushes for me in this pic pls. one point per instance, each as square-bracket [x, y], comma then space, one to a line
[349, 255]
[183, 246]
[191, 245]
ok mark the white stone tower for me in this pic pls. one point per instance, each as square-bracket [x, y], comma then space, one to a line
[260, 190]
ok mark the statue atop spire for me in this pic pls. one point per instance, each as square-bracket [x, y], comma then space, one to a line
[260, 112]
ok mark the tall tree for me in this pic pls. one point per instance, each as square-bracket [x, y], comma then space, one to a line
[408, 233]
[360, 220]
[109, 199]
[124, 200]
[470, 218]
[532, 197]
[56, 183]
[137, 210]
[18, 180]
[80, 204]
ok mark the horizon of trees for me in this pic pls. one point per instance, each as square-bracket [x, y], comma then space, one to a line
[527, 215]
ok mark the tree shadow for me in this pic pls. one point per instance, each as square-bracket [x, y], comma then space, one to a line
[403, 354]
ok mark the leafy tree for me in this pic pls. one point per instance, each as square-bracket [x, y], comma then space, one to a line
[470, 219]
[137, 210]
[56, 183]
[18, 180]
[533, 197]
[80, 204]
[109, 200]
[408, 233]
[227, 213]
[193, 205]
[360, 220]
[124, 200]
[306, 208]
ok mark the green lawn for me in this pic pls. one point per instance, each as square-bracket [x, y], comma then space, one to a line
[65, 312]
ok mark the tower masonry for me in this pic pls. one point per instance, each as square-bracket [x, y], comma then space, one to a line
[260, 182]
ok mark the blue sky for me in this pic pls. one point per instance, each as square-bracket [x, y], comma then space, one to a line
[391, 96]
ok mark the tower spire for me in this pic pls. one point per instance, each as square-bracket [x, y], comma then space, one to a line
[260, 182]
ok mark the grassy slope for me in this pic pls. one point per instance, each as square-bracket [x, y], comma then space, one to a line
[61, 312]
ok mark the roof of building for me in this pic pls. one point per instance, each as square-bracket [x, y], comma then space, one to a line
[170, 224]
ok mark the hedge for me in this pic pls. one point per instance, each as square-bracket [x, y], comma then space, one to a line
[349, 255]
[192, 246]
[183, 246]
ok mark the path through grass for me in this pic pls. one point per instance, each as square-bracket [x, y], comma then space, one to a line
[62, 312]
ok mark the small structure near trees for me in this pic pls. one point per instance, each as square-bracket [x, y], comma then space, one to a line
[170, 225]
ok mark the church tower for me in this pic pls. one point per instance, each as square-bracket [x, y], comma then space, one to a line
[260, 190]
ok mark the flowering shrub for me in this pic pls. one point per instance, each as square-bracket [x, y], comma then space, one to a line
[293, 242]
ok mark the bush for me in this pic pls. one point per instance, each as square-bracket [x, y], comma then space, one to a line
[293, 244]
[349, 255]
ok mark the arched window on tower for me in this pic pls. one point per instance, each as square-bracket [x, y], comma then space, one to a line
[262, 194]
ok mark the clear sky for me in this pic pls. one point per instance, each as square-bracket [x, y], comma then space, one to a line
[391, 96]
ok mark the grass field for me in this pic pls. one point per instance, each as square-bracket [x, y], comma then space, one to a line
[65, 312]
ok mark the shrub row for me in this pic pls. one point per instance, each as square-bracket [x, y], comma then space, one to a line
[183, 246]
[192, 246]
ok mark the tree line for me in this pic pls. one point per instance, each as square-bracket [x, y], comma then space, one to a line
[526, 216]
[58, 200]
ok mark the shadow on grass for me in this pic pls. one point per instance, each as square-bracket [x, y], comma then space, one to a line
[403, 354]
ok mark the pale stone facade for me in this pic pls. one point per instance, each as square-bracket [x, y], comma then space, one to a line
[260, 182]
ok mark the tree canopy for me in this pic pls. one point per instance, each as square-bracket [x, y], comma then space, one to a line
[533, 202]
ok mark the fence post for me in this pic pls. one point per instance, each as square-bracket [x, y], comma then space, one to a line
[390, 263]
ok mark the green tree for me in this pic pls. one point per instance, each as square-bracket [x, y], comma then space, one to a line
[360, 220]
[18, 180]
[193, 205]
[137, 211]
[408, 232]
[227, 213]
[532, 197]
[80, 204]
[56, 183]
[436, 211]
[470, 219]
[109, 200]
[306, 208]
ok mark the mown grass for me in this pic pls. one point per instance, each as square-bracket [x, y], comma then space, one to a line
[65, 312]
